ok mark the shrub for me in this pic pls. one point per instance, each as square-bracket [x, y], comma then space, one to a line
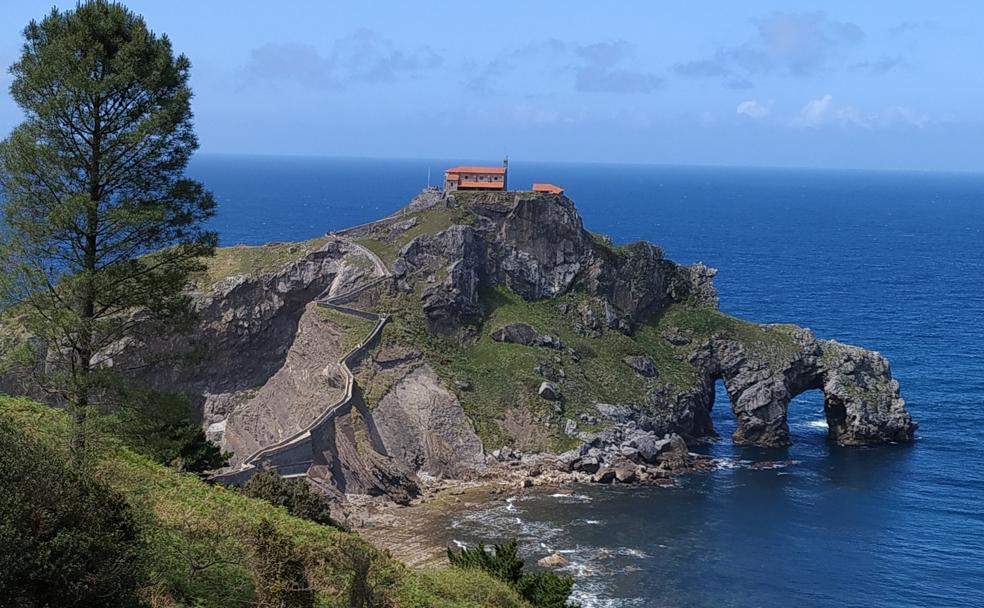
[278, 571]
[541, 589]
[67, 539]
[295, 495]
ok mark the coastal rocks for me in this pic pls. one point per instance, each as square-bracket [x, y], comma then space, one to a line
[641, 365]
[543, 246]
[861, 399]
[554, 560]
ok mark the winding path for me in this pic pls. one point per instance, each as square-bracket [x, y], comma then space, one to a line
[293, 455]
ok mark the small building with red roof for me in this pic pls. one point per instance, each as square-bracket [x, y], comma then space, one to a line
[548, 188]
[477, 178]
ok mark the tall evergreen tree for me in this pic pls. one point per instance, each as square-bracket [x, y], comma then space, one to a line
[100, 227]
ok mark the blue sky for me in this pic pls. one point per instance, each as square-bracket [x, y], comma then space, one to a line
[860, 84]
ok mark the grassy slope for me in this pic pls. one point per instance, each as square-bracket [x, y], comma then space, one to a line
[188, 522]
[503, 375]
[254, 259]
[429, 221]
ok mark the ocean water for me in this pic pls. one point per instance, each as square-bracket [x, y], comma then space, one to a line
[889, 261]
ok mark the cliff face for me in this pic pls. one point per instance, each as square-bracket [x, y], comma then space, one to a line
[504, 323]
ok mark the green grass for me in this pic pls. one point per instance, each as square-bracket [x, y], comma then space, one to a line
[503, 376]
[355, 329]
[774, 343]
[429, 221]
[193, 532]
[254, 260]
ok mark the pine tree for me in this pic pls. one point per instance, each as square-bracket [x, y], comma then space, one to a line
[100, 228]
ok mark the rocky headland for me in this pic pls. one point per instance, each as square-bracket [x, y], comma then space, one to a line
[489, 336]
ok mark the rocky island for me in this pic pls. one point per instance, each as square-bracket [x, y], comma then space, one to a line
[476, 331]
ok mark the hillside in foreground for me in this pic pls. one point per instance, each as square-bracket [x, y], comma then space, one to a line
[195, 533]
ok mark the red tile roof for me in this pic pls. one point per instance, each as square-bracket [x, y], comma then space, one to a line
[551, 188]
[486, 170]
[486, 185]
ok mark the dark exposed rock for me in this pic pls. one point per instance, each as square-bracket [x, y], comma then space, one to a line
[606, 475]
[626, 473]
[641, 364]
[676, 338]
[549, 391]
[516, 333]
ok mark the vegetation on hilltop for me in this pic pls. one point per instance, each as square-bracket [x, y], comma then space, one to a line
[252, 260]
[201, 543]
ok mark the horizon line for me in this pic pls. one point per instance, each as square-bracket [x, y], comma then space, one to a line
[967, 172]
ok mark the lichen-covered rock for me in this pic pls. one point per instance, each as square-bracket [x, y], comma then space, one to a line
[641, 364]
[516, 333]
[861, 399]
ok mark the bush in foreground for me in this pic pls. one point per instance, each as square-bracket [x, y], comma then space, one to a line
[541, 589]
[295, 495]
[66, 539]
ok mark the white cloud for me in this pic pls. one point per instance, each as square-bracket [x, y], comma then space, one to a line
[815, 112]
[754, 109]
[824, 112]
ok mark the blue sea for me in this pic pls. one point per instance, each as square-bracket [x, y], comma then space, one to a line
[889, 261]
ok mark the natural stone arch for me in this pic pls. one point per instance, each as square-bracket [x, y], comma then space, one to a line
[861, 399]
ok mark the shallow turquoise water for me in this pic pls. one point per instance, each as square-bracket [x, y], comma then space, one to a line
[889, 261]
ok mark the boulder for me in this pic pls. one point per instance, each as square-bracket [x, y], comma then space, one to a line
[587, 464]
[626, 473]
[606, 475]
[554, 560]
[549, 391]
[516, 333]
[570, 428]
[641, 365]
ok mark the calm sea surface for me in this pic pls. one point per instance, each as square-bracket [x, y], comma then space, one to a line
[889, 261]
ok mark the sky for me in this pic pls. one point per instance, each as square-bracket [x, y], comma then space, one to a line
[861, 84]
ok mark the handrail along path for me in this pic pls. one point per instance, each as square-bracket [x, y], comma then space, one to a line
[288, 456]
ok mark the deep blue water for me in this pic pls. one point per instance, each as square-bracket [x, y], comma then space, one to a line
[889, 261]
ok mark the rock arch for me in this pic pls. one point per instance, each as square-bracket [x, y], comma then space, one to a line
[862, 404]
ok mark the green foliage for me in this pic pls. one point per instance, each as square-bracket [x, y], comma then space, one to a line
[541, 589]
[354, 329]
[502, 562]
[458, 588]
[160, 426]
[196, 536]
[546, 589]
[277, 569]
[67, 539]
[91, 183]
[295, 495]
